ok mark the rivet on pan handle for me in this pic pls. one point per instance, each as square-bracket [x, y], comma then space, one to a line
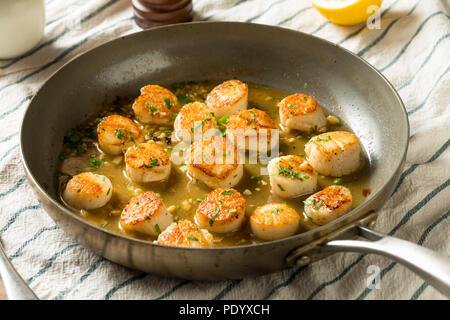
[433, 267]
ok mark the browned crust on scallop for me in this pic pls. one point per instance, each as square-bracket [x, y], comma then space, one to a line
[154, 96]
[331, 142]
[206, 149]
[296, 164]
[86, 184]
[333, 197]
[226, 203]
[118, 122]
[264, 216]
[177, 235]
[297, 104]
[194, 112]
[250, 122]
[140, 208]
[227, 93]
[142, 154]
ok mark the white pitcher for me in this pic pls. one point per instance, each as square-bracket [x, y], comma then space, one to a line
[22, 25]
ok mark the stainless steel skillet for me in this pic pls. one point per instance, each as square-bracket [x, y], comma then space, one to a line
[341, 82]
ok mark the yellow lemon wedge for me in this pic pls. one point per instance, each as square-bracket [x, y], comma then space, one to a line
[346, 12]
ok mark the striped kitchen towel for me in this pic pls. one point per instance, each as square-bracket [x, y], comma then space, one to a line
[412, 49]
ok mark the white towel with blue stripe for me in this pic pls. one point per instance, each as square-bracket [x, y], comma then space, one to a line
[412, 49]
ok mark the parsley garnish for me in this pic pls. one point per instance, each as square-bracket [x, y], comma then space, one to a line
[227, 192]
[192, 238]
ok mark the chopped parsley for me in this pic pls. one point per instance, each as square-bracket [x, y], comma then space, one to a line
[167, 131]
[94, 162]
[319, 138]
[192, 238]
[173, 116]
[227, 192]
[157, 228]
[318, 205]
[152, 163]
[281, 188]
[200, 199]
[211, 221]
[338, 181]
[119, 133]
[167, 101]
[276, 210]
[184, 99]
[104, 224]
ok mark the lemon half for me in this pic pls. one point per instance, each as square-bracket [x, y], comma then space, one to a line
[346, 12]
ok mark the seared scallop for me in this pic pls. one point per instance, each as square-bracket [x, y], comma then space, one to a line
[223, 210]
[274, 221]
[334, 153]
[117, 133]
[194, 119]
[146, 162]
[291, 176]
[328, 204]
[251, 129]
[146, 214]
[227, 98]
[301, 112]
[156, 105]
[184, 233]
[88, 191]
[215, 162]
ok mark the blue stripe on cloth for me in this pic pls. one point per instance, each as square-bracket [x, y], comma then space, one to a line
[413, 167]
[402, 51]
[81, 280]
[16, 215]
[9, 137]
[111, 292]
[385, 32]
[33, 238]
[425, 234]
[427, 59]
[13, 188]
[419, 291]
[351, 35]
[50, 262]
[265, 11]
[227, 289]
[420, 106]
[295, 15]
[8, 152]
[4, 114]
[285, 283]
[178, 286]
[66, 31]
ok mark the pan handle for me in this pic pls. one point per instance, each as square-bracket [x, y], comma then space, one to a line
[431, 266]
[15, 286]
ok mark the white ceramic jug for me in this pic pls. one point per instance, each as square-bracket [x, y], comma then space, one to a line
[22, 25]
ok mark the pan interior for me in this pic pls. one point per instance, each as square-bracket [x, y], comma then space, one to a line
[341, 83]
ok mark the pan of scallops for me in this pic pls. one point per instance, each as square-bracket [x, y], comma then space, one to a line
[220, 150]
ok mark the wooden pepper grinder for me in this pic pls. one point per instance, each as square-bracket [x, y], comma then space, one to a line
[151, 13]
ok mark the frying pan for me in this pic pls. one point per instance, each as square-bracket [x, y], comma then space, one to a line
[341, 82]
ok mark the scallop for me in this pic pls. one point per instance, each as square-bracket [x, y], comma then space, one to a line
[334, 153]
[291, 176]
[156, 105]
[251, 129]
[274, 221]
[223, 210]
[145, 214]
[328, 204]
[147, 162]
[227, 98]
[117, 133]
[184, 233]
[215, 161]
[195, 119]
[88, 191]
[301, 112]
